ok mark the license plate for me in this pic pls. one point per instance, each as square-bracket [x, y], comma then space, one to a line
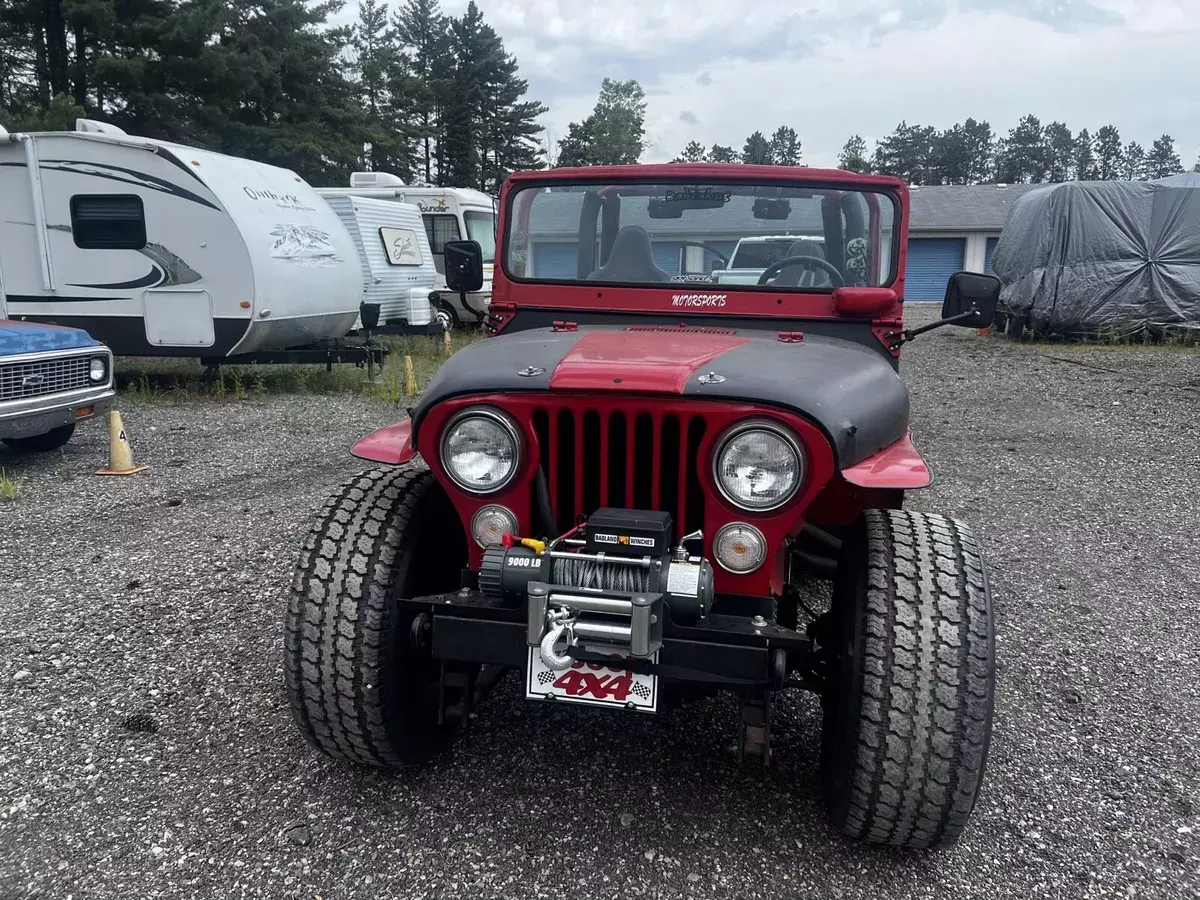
[594, 684]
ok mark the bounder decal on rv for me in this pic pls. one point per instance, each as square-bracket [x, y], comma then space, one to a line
[303, 245]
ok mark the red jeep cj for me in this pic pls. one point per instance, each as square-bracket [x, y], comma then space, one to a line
[631, 492]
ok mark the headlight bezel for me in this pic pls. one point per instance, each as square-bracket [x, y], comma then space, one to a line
[510, 428]
[105, 369]
[738, 429]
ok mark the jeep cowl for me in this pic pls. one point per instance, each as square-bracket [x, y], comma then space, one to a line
[51, 378]
[644, 485]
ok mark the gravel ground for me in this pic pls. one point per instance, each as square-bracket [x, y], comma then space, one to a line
[146, 749]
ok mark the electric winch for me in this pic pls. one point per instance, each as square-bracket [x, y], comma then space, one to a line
[604, 586]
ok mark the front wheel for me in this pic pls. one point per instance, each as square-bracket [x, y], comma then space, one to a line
[361, 686]
[42, 443]
[908, 712]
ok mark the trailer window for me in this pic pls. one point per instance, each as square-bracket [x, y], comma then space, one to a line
[108, 221]
[441, 229]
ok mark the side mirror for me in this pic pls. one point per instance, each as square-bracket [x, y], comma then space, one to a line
[970, 291]
[717, 265]
[464, 266]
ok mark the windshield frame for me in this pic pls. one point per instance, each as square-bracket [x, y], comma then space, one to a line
[749, 176]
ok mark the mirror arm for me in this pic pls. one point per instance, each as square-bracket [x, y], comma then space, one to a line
[903, 337]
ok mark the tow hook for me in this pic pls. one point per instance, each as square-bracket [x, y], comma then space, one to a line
[561, 624]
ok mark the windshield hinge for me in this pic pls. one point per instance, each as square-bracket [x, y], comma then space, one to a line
[560, 325]
[791, 337]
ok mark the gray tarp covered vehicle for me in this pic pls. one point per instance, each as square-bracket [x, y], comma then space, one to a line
[1110, 257]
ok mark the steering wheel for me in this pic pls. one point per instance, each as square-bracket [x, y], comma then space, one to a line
[808, 262]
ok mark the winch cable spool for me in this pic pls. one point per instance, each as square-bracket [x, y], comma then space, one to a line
[589, 573]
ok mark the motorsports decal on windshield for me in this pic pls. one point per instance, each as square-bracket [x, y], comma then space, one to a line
[694, 279]
[699, 299]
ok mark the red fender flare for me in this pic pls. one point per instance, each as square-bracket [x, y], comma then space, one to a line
[391, 445]
[898, 465]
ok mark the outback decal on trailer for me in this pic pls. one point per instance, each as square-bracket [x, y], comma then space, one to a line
[304, 245]
[699, 299]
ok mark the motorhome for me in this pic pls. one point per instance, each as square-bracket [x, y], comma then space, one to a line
[450, 214]
[159, 249]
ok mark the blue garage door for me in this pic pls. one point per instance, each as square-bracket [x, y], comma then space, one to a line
[931, 262]
[987, 255]
[668, 256]
[555, 260]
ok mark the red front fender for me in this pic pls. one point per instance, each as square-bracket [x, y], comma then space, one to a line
[391, 445]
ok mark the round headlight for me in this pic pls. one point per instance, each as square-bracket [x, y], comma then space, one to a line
[98, 370]
[479, 451]
[758, 466]
[740, 548]
[491, 523]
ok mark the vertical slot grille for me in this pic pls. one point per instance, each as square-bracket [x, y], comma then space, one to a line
[638, 459]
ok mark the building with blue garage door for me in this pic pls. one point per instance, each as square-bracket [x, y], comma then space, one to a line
[954, 227]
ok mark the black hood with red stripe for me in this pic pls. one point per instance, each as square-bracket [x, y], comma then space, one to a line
[851, 392]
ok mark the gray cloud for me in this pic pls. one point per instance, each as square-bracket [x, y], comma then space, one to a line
[688, 117]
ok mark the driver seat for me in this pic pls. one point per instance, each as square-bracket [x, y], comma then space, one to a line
[800, 276]
[631, 259]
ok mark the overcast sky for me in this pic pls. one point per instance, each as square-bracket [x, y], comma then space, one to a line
[715, 70]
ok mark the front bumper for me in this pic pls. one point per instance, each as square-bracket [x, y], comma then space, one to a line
[39, 415]
[724, 650]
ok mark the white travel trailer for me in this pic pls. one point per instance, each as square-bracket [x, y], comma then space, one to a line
[397, 265]
[450, 214]
[158, 249]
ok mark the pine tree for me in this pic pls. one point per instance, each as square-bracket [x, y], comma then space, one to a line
[421, 73]
[853, 157]
[951, 157]
[1108, 153]
[1024, 156]
[785, 147]
[1085, 159]
[693, 152]
[614, 134]
[907, 153]
[1133, 162]
[1060, 149]
[757, 151]
[1163, 160]
[981, 152]
[722, 154]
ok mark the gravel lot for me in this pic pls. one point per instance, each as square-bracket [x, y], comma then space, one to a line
[146, 749]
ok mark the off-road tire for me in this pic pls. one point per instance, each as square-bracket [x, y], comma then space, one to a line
[908, 716]
[359, 689]
[42, 443]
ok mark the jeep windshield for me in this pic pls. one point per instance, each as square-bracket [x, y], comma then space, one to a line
[801, 238]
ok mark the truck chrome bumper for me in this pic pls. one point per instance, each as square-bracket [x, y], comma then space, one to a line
[38, 415]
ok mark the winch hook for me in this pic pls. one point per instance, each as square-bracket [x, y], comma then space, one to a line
[561, 624]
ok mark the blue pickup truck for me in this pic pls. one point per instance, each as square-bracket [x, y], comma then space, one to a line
[50, 378]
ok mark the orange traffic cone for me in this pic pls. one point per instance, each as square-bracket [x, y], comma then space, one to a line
[120, 455]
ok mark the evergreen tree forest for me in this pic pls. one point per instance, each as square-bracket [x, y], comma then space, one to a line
[971, 153]
[411, 91]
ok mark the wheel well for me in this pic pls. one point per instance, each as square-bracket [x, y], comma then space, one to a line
[440, 553]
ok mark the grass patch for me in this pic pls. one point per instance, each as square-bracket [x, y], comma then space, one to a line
[10, 488]
[181, 379]
[1168, 337]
